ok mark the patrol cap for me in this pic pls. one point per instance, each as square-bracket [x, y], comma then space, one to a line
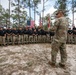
[60, 10]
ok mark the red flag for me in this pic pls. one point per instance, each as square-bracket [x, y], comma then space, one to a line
[49, 22]
[40, 21]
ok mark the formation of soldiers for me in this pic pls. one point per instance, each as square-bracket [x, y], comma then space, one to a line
[30, 35]
[23, 35]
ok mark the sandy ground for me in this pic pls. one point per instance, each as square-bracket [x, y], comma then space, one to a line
[31, 59]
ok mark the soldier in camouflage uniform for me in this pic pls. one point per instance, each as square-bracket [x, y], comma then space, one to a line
[60, 37]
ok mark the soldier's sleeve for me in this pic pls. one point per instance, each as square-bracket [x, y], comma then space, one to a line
[56, 24]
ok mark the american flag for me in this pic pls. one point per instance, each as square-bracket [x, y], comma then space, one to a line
[32, 24]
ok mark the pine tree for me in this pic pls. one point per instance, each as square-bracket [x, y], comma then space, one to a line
[61, 4]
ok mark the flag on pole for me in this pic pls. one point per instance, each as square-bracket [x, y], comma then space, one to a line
[32, 24]
[49, 22]
[40, 21]
[28, 23]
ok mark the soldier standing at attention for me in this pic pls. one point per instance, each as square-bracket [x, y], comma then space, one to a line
[70, 36]
[2, 37]
[20, 35]
[14, 36]
[60, 38]
[74, 35]
[9, 37]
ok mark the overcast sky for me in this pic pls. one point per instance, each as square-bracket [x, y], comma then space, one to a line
[48, 9]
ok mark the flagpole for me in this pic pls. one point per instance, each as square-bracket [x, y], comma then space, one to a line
[43, 13]
[9, 12]
[72, 12]
[40, 21]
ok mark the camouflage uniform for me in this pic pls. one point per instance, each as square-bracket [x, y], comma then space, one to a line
[59, 41]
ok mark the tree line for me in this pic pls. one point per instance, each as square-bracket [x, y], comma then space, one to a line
[18, 15]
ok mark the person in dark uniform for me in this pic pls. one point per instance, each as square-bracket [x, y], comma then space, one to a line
[14, 35]
[74, 34]
[35, 34]
[51, 35]
[39, 33]
[9, 35]
[70, 36]
[2, 37]
[20, 35]
[30, 35]
[43, 35]
[26, 32]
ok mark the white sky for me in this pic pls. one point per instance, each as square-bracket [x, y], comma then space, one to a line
[48, 9]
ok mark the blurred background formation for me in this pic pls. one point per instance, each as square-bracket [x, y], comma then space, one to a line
[26, 21]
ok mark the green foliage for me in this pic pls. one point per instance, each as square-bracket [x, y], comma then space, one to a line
[45, 27]
[4, 16]
[19, 15]
[61, 4]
